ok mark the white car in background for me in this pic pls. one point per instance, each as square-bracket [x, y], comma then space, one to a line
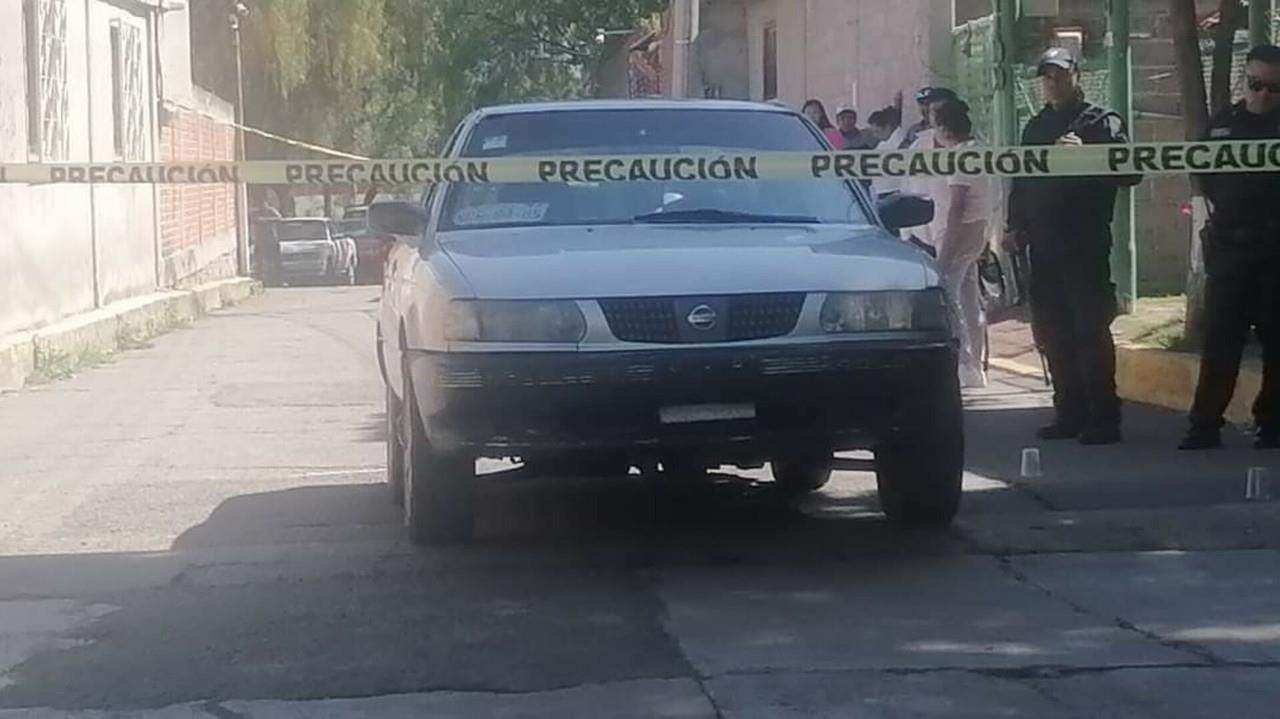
[310, 250]
[673, 323]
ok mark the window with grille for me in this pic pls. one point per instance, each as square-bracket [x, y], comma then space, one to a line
[126, 92]
[45, 38]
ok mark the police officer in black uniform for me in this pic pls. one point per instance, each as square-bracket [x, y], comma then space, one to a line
[1066, 221]
[1242, 265]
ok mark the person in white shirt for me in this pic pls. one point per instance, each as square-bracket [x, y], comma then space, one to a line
[959, 234]
[886, 125]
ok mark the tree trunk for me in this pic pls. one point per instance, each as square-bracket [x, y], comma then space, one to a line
[1195, 119]
[1224, 42]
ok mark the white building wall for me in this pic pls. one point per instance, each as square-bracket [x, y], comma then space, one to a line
[857, 52]
[46, 260]
[124, 214]
[52, 238]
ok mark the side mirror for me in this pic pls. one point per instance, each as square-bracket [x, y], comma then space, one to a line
[900, 211]
[397, 218]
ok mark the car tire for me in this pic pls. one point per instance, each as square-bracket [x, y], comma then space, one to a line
[439, 487]
[395, 448]
[920, 471]
[798, 476]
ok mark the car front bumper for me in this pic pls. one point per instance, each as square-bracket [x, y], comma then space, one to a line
[843, 396]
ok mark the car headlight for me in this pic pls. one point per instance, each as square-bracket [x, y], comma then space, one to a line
[885, 311]
[514, 321]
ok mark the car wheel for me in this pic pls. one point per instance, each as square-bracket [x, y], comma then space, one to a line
[796, 476]
[920, 471]
[439, 487]
[395, 448]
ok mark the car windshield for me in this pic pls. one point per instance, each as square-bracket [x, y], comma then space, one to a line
[287, 231]
[651, 132]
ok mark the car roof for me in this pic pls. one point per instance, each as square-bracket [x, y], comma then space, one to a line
[654, 104]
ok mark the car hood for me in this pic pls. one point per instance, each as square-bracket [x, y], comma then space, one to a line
[642, 260]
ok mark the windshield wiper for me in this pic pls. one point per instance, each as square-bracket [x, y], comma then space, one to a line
[710, 215]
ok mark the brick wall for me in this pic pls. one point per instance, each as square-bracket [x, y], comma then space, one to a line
[197, 222]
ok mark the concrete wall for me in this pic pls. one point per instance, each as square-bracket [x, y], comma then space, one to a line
[66, 249]
[860, 53]
[124, 215]
[720, 58]
[46, 244]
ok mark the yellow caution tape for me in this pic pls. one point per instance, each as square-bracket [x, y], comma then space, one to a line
[1049, 161]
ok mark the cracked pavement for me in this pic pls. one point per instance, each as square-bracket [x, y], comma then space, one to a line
[199, 529]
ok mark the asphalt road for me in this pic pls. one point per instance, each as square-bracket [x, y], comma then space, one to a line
[199, 529]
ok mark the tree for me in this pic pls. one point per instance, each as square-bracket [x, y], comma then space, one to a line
[489, 51]
[392, 77]
[1197, 105]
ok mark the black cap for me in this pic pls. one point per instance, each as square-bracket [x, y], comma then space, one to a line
[1058, 57]
[935, 94]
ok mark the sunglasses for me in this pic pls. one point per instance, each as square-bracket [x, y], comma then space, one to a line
[1257, 85]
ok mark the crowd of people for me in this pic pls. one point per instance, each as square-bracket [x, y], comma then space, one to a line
[1063, 226]
[963, 206]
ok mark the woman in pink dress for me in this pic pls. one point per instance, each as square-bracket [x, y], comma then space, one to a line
[817, 113]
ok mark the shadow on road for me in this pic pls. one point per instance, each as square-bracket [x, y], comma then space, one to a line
[1146, 471]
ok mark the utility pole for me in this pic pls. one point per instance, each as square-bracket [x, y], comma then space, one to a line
[1006, 50]
[242, 190]
[681, 32]
[1120, 65]
[1259, 22]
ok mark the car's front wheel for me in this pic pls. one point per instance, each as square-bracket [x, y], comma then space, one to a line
[920, 470]
[439, 487]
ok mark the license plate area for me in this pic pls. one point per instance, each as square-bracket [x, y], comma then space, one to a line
[695, 413]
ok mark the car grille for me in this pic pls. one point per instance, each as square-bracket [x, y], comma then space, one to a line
[658, 319]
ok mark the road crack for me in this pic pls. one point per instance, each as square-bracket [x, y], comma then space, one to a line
[663, 628]
[1202, 653]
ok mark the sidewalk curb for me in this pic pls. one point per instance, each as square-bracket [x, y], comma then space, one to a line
[1163, 378]
[1168, 379]
[114, 327]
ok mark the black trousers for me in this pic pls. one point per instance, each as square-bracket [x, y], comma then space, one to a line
[1241, 294]
[1073, 303]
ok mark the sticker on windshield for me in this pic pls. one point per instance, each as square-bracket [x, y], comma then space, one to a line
[497, 142]
[499, 213]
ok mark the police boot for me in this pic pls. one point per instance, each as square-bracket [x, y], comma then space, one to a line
[1200, 438]
[1059, 430]
[1266, 438]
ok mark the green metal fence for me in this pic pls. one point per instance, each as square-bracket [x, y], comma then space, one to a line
[974, 59]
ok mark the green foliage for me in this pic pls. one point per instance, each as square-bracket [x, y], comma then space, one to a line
[383, 77]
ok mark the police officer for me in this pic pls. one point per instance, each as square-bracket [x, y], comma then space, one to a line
[926, 98]
[1066, 221]
[1242, 263]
